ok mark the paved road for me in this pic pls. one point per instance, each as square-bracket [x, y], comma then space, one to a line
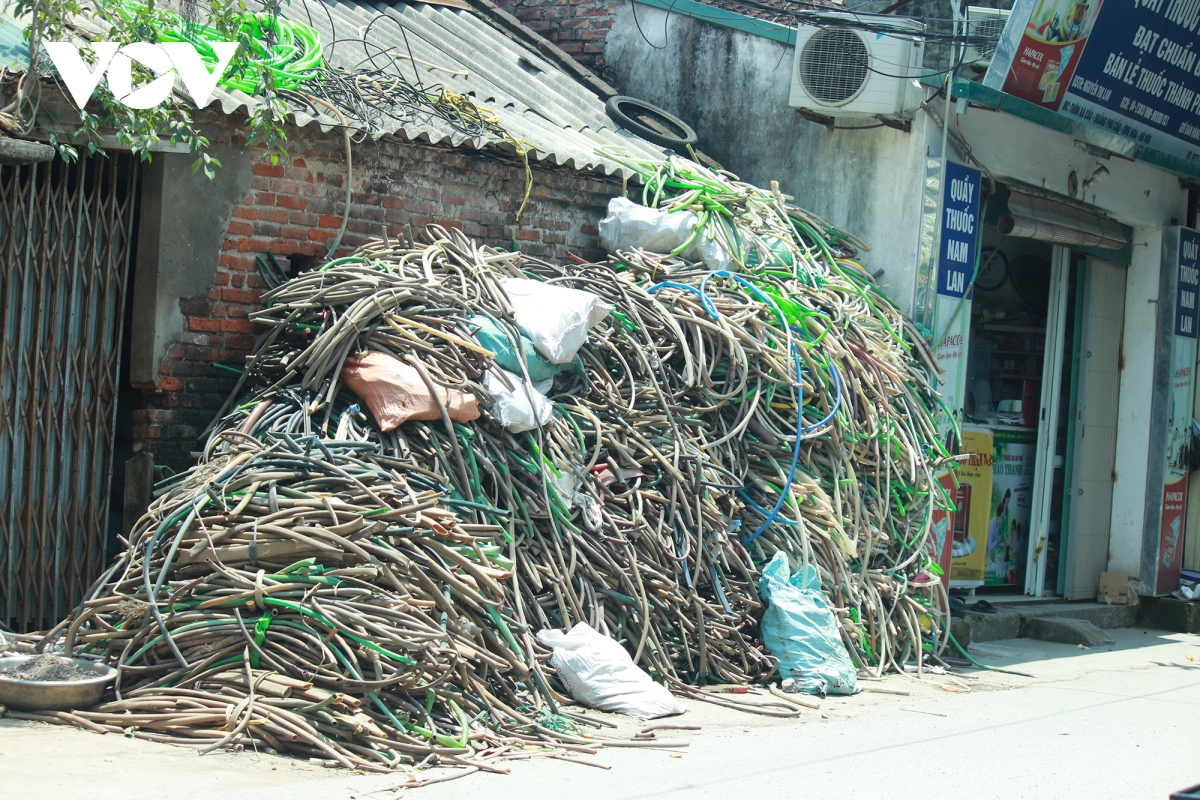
[1112, 722]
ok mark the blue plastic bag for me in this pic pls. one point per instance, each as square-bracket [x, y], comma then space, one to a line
[799, 629]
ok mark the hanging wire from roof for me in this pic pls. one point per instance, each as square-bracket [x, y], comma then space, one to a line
[378, 88]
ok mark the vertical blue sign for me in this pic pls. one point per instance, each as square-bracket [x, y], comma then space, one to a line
[960, 230]
[1188, 284]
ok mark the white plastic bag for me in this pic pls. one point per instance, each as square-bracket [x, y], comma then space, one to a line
[512, 408]
[556, 319]
[1188, 590]
[630, 226]
[600, 674]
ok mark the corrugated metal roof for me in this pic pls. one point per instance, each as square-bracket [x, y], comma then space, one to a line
[538, 102]
[14, 50]
[560, 119]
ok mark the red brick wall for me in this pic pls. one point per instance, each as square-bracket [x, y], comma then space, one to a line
[578, 27]
[294, 209]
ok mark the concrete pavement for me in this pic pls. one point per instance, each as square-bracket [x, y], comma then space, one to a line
[1119, 721]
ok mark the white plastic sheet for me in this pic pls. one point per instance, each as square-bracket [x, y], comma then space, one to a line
[600, 674]
[556, 319]
[629, 226]
[512, 408]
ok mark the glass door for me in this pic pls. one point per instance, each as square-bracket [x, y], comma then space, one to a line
[1048, 417]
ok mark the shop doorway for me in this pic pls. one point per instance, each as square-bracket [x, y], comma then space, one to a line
[1041, 398]
[1007, 354]
[1073, 498]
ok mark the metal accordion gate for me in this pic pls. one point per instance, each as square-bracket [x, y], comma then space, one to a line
[66, 234]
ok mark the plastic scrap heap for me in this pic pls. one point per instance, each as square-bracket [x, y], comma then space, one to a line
[438, 450]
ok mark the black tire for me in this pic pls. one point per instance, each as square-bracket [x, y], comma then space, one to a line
[684, 134]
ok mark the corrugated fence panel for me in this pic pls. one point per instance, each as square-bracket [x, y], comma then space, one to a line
[66, 232]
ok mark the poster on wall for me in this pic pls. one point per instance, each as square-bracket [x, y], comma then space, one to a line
[957, 249]
[1175, 477]
[1128, 67]
[1013, 457]
[943, 524]
[968, 547]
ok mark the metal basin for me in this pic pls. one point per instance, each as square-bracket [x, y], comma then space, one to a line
[54, 695]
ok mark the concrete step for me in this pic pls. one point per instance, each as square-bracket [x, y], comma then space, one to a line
[1170, 614]
[1012, 619]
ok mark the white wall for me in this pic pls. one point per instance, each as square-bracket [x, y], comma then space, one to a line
[733, 88]
[1133, 410]
[1134, 193]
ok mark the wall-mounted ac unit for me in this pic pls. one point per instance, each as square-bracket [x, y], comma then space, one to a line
[984, 26]
[858, 65]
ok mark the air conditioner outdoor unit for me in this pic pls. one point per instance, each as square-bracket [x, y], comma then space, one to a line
[858, 65]
[985, 24]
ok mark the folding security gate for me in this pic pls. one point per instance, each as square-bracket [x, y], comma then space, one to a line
[66, 232]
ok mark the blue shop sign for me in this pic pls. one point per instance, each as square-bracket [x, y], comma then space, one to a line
[960, 230]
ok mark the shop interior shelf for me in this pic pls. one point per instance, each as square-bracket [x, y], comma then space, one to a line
[1002, 327]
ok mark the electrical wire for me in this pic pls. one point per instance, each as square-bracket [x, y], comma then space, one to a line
[642, 33]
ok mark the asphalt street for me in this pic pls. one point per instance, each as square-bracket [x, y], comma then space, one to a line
[1117, 721]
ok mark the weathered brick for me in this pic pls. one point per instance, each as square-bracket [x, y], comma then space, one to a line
[234, 326]
[238, 296]
[239, 342]
[191, 337]
[202, 324]
[291, 201]
[154, 415]
[195, 306]
[295, 209]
